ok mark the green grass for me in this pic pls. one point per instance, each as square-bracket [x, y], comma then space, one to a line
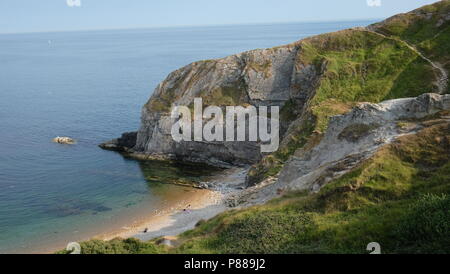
[234, 95]
[118, 246]
[365, 67]
[427, 219]
[430, 35]
[416, 26]
[274, 232]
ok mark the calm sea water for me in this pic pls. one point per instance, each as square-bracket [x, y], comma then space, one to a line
[91, 86]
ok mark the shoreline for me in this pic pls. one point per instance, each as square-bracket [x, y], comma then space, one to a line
[174, 220]
[167, 221]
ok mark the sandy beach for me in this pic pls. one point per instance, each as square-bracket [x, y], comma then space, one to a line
[174, 219]
[178, 215]
[199, 204]
[180, 212]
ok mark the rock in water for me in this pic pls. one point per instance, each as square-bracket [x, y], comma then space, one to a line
[122, 144]
[64, 140]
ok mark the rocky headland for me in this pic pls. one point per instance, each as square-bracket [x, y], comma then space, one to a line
[350, 102]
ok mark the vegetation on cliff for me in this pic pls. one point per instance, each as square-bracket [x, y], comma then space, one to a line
[427, 28]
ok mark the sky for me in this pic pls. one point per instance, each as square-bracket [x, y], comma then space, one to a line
[70, 15]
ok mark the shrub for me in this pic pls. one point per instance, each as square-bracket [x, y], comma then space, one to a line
[426, 226]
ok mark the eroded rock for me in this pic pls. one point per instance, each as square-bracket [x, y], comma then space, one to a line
[355, 136]
[64, 140]
[123, 144]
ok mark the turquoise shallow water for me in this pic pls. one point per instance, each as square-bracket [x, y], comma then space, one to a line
[91, 86]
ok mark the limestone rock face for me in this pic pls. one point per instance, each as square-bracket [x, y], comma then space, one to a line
[267, 77]
[377, 125]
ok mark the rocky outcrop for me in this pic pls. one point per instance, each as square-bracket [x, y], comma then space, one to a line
[123, 144]
[371, 126]
[268, 77]
[259, 77]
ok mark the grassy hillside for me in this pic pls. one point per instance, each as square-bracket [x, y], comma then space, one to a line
[427, 28]
[398, 198]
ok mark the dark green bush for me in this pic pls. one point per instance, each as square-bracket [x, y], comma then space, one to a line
[264, 231]
[426, 226]
[116, 246]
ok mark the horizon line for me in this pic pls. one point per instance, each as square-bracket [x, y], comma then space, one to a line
[192, 26]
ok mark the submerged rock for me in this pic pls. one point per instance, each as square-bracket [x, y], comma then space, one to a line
[64, 140]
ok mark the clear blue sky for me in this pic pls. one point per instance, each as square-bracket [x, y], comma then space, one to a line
[57, 15]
